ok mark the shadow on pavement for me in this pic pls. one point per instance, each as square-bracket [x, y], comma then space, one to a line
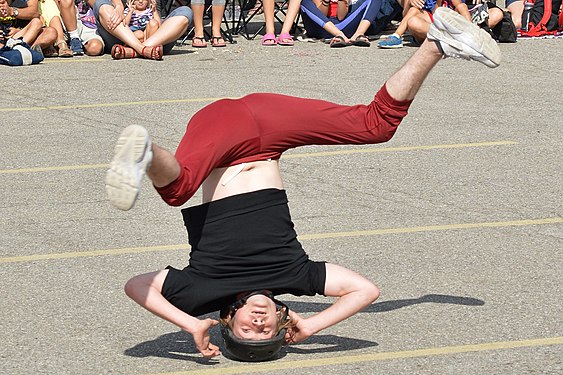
[179, 345]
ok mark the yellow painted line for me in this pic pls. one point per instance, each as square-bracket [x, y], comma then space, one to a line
[103, 105]
[372, 357]
[406, 148]
[92, 253]
[432, 228]
[51, 169]
[78, 60]
[315, 236]
[290, 156]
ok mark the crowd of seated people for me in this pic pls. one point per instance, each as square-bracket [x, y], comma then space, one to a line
[67, 28]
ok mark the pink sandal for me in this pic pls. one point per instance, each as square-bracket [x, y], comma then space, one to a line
[269, 40]
[284, 39]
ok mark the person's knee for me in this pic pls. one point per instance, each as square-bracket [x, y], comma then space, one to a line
[94, 48]
[66, 4]
[184, 12]
[153, 24]
[49, 35]
[36, 24]
[418, 26]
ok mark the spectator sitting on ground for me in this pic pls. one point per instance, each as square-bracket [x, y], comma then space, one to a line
[121, 41]
[26, 23]
[70, 22]
[86, 29]
[217, 11]
[51, 17]
[142, 18]
[516, 8]
[347, 22]
[417, 17]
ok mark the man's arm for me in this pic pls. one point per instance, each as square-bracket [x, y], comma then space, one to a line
[354, 292]
[146, 290]
[29, 12]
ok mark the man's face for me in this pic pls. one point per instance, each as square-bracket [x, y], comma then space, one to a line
[256, 320]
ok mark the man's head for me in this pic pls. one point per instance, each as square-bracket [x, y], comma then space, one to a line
[254, 326]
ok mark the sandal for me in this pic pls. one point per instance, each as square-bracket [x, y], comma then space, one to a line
[64, 51]
[361, 41]
[284, 39]
[119, 52]
[269, 40]
[338, 42]
[218, 41]
[201, 43]
[152, 52]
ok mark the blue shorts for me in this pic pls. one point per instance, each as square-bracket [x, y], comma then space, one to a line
[508, 2]
[110, 40]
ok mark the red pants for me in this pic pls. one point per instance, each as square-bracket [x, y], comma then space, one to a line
[263, 126]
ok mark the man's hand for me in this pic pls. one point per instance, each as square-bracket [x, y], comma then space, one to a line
[300, 332]
[201, 338]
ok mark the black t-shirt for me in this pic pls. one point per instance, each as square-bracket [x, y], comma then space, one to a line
[241, 243]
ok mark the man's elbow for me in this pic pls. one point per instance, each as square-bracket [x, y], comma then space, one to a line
[370, 293]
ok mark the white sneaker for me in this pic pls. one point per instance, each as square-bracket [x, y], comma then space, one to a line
[133, 156]
[461, 39]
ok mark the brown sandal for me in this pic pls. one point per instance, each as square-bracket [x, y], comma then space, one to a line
[64, 51]
[153, 52]
[119, 52]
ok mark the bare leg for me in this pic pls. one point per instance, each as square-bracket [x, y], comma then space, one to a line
[404, 84]
[268, 6]
[217, 17]
[68, 14]
[198, 10]
[170, 30]
[121, 32]
[291, 15]
[94, 47]
[164, 167]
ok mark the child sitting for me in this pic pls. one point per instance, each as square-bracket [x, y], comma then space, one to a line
[51, 17]
[142, 18]
[417, 17]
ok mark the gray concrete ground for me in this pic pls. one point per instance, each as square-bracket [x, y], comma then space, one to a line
[458, 219]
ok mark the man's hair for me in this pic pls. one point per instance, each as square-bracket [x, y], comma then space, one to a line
[254, 350]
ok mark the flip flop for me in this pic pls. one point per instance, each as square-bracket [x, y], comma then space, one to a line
[269, 40]
[284, 39]
[338, 42]
[361, 41]
[201, 42]
[218, 41]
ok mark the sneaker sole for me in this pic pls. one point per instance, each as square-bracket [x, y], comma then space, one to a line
[391, 47]
[122, 183]
[480, 41]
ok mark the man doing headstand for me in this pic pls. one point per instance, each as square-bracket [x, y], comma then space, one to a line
[244, 248]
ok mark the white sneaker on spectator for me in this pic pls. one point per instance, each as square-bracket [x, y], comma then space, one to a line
[133, 155]
[460, 38]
